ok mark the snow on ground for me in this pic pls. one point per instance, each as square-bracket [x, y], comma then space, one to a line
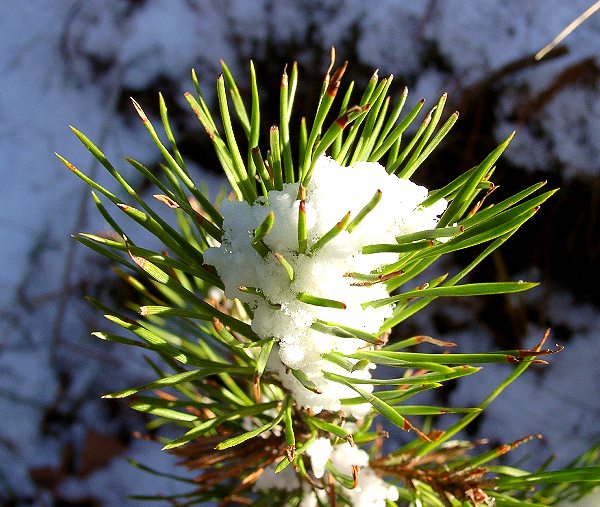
[42, 331]
[488, 35]
[65, 62]
[554, 400]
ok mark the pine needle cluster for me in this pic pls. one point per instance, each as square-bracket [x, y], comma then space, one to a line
[225, 382]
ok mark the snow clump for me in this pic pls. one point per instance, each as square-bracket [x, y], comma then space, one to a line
[370, 491]
[333, 191]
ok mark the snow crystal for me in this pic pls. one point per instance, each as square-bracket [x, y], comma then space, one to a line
[332, 192]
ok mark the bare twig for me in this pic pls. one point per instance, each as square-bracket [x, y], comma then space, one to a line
[568, 29]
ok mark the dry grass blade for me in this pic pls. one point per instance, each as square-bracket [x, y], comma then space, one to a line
[572, 26]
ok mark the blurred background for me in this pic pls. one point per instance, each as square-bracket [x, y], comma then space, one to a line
[78, 61]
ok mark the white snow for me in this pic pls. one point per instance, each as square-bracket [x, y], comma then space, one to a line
[563, 125]
[390, 36]
[332, 192]
[48, 82]
[553, 400]
[45, 87]
[319, 453]
[370, 491]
